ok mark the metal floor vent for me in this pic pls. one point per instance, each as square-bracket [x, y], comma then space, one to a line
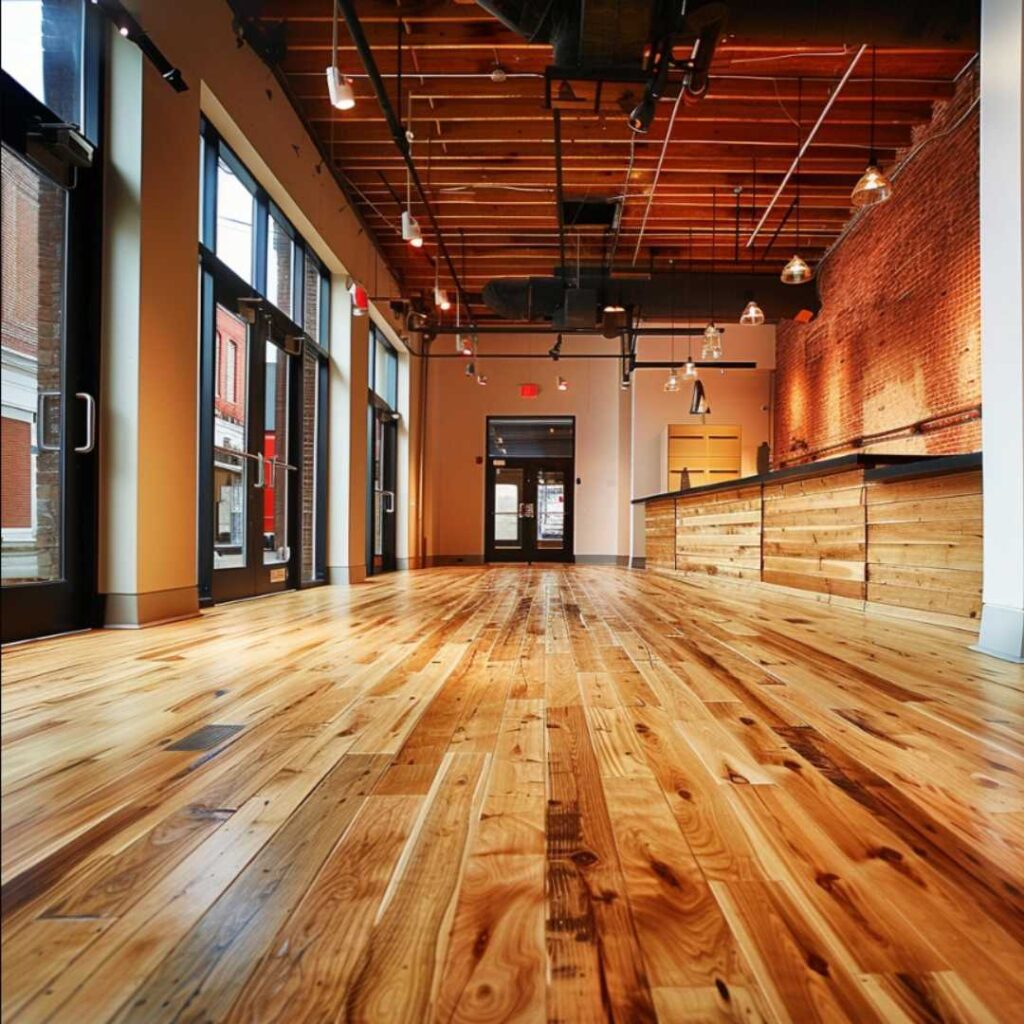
[205, 738]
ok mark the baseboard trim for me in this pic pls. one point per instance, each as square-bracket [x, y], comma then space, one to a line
[153, 608]
[434, 561]
[620, 560]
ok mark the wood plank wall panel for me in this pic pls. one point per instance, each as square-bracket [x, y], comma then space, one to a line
[814, 534]
[720, 533]
[660, 530]
[924, 540]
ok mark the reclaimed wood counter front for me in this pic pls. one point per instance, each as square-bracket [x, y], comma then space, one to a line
[899, 532]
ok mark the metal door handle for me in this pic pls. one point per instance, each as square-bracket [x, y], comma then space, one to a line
[389, 500]
[90, 422]
[41, 399]
[261, 471]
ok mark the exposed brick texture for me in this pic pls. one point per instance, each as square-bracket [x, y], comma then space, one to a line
[896, 349]
[16, 460]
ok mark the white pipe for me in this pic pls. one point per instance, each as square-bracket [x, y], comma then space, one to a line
[803, 149]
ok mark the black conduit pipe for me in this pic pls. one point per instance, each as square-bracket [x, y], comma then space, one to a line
[347, 8]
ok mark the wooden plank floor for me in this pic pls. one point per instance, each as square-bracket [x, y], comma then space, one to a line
[550, 794]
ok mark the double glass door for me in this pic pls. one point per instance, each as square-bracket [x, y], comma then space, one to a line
[254, 471]
[529, 510]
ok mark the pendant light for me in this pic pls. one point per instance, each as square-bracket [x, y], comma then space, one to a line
[699, 400]
[712, 348]
[410, 226]
[561, 383]
[873, 187]
[690, 369]
[339, 87]
[752, 315]
[672, 383]
[796, 271]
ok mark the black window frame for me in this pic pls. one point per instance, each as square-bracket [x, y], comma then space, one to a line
[216, 275]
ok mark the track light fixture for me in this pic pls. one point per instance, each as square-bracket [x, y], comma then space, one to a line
[481, 379]
[470, 369]
[411, 230]
[873, 187]
[643, 114]
[699, 400]
[339, 88]
[561, 383]
[556, 350]
[441, 299]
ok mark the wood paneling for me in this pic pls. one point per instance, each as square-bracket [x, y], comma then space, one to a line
[660, 532]
[924, 542]
[720, 533]
[516, 794]
[912, 547]
[814, 534]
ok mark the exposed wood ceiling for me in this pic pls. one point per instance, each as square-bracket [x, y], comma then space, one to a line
[487, 149]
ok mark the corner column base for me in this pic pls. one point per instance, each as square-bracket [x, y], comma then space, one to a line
[1002, 633]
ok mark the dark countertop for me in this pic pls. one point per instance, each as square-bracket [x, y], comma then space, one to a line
[876, 467]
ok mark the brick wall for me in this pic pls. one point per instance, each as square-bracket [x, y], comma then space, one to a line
[893, 361]
[16, 475]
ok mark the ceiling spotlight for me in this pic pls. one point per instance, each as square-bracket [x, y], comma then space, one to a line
[124, 30]
[872, 188]
[481, 379]
[470, 370]
[411, 230]
[360, 300]
[699, 401]
[712, 348]
[498, 74]
[690, 370]
[561, 383]
[672, 383]
[441, 300]
[796, 271]
[643, 114]
[624, 384]
[339, 88]
[752, 314]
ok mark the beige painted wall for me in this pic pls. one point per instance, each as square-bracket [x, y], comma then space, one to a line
[148, 410]
[619, 434]
[457, 412]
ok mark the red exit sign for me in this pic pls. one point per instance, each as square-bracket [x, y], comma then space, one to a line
[529, 390]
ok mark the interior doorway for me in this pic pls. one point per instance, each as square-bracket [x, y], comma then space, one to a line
[382, 456]
[530, 489]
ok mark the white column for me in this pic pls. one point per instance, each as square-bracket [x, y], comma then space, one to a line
[1002, 330]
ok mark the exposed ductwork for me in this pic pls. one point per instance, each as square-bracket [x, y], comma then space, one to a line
[684, 296]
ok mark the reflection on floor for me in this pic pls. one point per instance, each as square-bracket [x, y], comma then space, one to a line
[562, 794]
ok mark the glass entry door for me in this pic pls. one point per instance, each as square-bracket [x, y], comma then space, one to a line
[254, 475]
[51, 210]
[383, 470]
[529, 510]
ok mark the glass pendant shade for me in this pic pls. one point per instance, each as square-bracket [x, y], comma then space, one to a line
[672, 384]
[699, 400]
[752, 314]
[796, 271]
[872, 188]
[712, 348]
[690, 370]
